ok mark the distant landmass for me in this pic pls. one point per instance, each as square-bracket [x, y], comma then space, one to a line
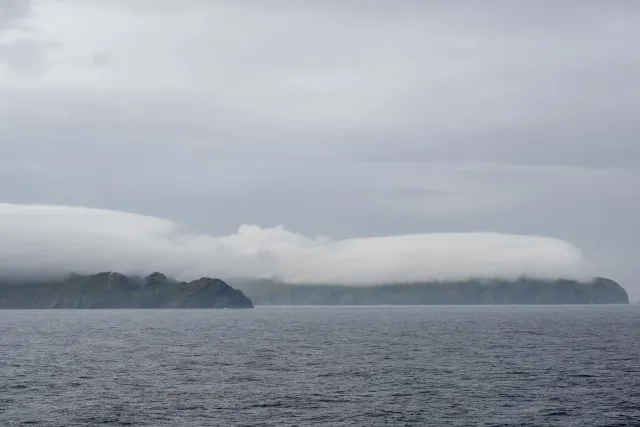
[115, 290]
[476, 292]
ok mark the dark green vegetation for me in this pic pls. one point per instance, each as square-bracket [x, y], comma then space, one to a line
[114, 290]
[523, 291]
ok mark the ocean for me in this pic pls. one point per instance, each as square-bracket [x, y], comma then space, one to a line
[314, 366]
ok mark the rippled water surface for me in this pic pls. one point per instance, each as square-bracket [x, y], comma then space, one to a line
[365, 366]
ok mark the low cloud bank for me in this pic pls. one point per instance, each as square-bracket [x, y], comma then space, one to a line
[39, 239]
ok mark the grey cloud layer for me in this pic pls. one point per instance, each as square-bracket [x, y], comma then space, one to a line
[332, 117]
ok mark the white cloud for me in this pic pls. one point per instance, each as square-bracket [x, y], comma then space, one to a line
[40, 238]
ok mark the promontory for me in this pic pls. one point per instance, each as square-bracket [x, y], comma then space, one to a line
[115, 290]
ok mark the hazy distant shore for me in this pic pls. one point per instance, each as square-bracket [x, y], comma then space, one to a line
[470, 292]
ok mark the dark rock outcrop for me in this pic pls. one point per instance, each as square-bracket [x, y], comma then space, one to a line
[115, 290]
[155, 280]
[472, 292]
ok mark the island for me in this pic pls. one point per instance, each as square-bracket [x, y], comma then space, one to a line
[115, 290]
[473, 292]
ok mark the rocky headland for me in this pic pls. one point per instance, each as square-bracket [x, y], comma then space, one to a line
[115, 290]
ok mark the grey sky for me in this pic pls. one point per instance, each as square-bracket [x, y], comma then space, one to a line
[358, 119]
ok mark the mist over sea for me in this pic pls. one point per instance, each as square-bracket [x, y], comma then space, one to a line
[356, 366]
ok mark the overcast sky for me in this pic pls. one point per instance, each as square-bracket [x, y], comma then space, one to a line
[345, 119]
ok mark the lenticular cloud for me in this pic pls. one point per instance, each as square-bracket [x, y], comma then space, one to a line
[38, 239]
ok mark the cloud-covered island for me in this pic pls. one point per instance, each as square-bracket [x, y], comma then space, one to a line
[45, 244]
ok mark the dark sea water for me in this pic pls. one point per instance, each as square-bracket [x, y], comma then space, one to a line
[364, 366]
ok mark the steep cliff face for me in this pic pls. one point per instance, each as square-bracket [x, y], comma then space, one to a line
[115, 290]
[606, 291]
[523, 291]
